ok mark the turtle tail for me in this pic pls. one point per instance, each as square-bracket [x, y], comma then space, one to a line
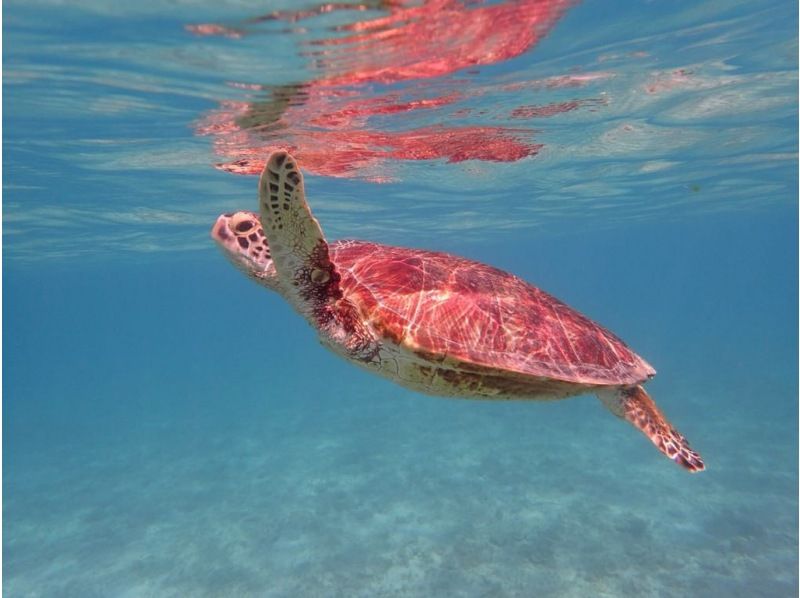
[635, 405]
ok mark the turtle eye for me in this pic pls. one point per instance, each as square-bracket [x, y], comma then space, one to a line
[242, 223]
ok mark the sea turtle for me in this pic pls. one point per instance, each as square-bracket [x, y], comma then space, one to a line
[433, 322]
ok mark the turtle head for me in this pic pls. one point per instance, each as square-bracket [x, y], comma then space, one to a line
[242, 240]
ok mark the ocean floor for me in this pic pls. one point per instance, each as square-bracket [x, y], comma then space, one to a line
[378, 492]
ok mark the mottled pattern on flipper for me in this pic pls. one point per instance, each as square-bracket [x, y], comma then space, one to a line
[282, 201]
[635, 405]
[302, 259]
[298, 246]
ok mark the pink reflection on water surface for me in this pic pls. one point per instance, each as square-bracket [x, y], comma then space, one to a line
[344, 123]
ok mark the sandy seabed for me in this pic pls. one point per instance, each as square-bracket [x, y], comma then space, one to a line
[381, 495]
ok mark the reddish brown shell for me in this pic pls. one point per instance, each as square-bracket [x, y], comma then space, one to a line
[443, 306]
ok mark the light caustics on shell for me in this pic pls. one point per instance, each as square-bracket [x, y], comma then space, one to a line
[444, 304]
[338, 124]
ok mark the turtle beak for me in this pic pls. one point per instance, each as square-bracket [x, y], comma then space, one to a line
[221, 231]
[225, 238]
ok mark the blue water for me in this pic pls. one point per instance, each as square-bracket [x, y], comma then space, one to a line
[171, 429]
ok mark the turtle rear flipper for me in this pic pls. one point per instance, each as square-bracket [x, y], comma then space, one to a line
[635, 405]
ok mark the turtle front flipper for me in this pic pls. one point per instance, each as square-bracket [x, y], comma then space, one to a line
[299, 249]
[635, 405]
[308, 278]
